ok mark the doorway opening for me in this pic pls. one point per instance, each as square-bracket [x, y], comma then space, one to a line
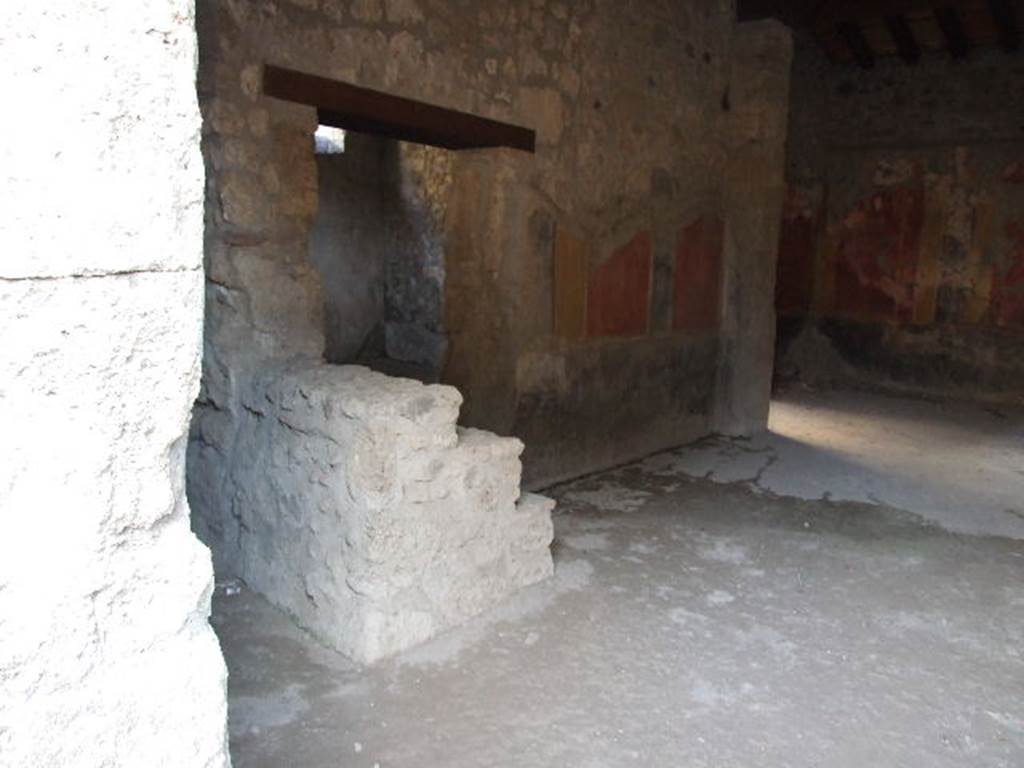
[323, 471]
[378, 245]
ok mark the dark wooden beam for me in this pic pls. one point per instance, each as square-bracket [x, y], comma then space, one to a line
[1006, 24]
[837, 11]
[903, 36]
[795, 13]
[952, 28]
[837, 24]
[354, 108]
[857, 43]
[752, 10]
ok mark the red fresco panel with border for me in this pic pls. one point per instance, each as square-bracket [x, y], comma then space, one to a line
[1014, 173]
[698, 276]
[618, 297]
[794, 282]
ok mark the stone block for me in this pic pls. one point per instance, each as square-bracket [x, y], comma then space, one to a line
[288, 319]
[134, 124]
[366, 10]
[543, 110]
[98, 377]
[412, 343]
[364, 512]
[403, 11]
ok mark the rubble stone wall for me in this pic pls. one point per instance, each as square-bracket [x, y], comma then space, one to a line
[635, 117]
[359, 507]
[632, 105]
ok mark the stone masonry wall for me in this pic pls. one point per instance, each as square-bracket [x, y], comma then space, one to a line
[758, 103]
[359, 508]
[418, 179]
[902, 252]
[106, 656]
[630, 104]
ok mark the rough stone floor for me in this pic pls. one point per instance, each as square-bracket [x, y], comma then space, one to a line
[708, 621]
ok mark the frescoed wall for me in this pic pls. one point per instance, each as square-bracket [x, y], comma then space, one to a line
[901, 258]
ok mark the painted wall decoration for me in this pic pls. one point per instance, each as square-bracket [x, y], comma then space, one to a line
[570, 285]
[1014, 172]
[1008, 280]
[877, 254]
[907, 238]
[594, 298]
[698, 276]
[619, 290]
[794, 275]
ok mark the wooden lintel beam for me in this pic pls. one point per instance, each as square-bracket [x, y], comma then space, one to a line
[354, 108]
[1005, 18]
[854, 38]
[904, 39]
[952, 30]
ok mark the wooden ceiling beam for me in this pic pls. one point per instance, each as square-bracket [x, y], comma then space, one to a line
[837, 11]
[953, 30]
[752, 10]
[904, 38]
[854, 38]
[796, 13]
[1005, 18]
[907, 28]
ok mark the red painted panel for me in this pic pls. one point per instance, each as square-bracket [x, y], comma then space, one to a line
[794, 281]
[1014, 173]
[618, 294]
[1008, 281]
[698, 277]
[876, 261]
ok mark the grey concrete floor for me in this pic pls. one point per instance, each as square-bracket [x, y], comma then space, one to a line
[957, 464]
[691, 622]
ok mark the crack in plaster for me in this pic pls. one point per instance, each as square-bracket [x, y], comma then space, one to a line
[97, 275]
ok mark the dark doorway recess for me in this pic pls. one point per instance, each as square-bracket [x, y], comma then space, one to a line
[353, 108]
